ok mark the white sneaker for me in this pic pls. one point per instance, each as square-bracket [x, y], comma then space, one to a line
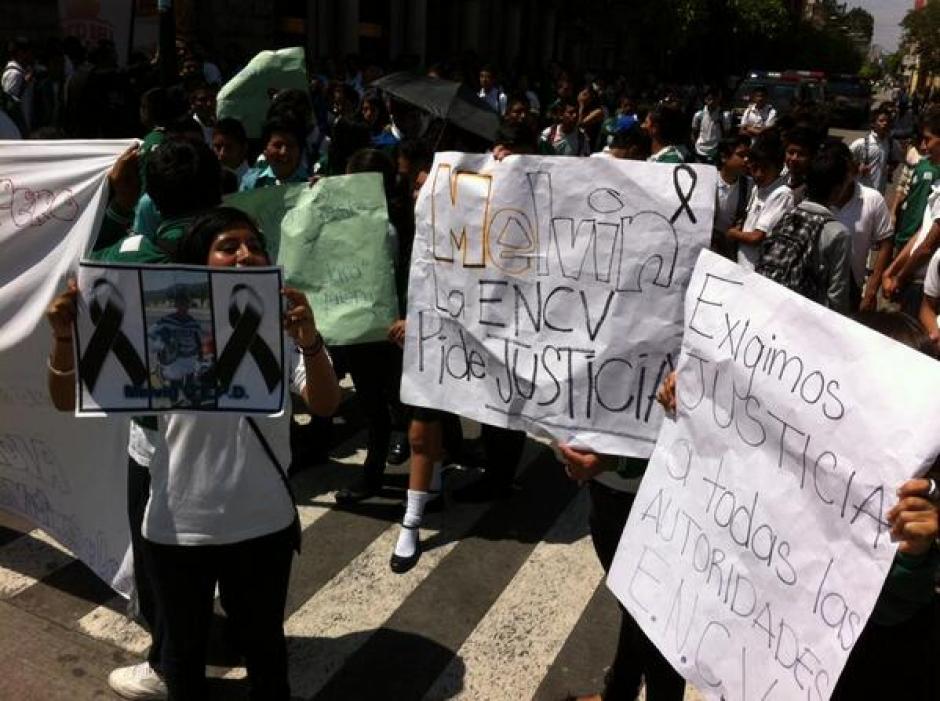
[138, 681]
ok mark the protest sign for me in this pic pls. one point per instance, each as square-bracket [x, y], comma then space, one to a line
[167, 338]
[66, 478]
[546, 293]
[335, 246]
[48, 217]
[247, 96]
[757, 544]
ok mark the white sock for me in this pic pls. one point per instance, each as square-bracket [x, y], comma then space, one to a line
[414, 511]
[436, 477]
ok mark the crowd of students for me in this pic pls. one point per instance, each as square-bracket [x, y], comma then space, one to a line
[792, 203]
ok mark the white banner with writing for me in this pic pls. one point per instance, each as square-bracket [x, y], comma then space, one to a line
[757, 545]
[546, 292]
[65, 476]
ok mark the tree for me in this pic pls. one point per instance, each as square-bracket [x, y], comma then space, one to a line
[859, 22]
[921, 29]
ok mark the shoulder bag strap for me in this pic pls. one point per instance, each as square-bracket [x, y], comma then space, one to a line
[280, 472]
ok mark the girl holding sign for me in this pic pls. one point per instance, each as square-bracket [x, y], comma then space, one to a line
[217, 514]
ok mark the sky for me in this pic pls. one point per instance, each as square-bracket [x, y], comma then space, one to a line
[888, 14]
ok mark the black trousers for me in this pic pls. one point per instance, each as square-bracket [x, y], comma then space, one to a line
[636, 657]
[138, 491]
[376, 374]
[252, 576]
[894, 662]
[502, 449]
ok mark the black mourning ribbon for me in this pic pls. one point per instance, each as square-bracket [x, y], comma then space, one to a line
[108, 338]
[684, 197]
[245, 340]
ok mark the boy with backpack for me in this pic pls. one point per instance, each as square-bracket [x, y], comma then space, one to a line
[770, 198]
[809, 251]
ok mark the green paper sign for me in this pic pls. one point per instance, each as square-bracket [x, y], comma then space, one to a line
[247, 95]
[333, 241]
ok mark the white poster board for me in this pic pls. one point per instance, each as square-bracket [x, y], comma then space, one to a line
[65, 476]
[757, 545]
[546, 292]
[179, 339]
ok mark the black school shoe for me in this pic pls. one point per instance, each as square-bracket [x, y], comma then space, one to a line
[398, 451]
[399, 564]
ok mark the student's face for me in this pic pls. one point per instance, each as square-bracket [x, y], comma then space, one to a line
[627, 106]
[203, 103]
[230, 152]
[760, 98]
[369, 113]
[517, 113]
[282, 152]
[710, 101]
[486, 80]
[236, 248]
[569, 117]
[882, 124]
[736, 162]
[930, 145]
[797, 159]
[763, 173]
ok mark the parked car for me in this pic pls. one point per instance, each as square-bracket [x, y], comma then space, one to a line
[785, 90]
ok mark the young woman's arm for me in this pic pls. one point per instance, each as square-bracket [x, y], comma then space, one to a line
[321, 391]
[61, 364]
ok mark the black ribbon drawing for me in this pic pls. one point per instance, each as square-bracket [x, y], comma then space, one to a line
[108, 338]
[245, 340]
[684, 197]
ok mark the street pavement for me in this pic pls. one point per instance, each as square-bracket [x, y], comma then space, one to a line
[507, 602]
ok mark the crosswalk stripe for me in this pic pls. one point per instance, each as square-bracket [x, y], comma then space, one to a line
[514, 644]
[334, 622]
[404, 657]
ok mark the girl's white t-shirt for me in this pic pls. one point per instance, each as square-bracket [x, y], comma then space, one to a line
[211, 480]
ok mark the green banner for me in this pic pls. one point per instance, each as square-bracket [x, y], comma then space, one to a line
[333, 241]
[247, 95]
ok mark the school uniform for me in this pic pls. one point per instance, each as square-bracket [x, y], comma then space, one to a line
[868, 220]
[668, 154]
[765, 209]
[876, 154]
[219, 512]
[711, 126]
[760, 118]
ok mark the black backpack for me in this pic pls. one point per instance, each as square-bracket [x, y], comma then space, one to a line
[787, 252]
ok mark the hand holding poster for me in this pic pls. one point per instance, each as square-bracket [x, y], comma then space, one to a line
[61, 476]
[546, 293]
[757, 545]
[175, 338]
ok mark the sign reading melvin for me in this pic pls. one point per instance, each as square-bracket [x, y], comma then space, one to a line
[546, 293]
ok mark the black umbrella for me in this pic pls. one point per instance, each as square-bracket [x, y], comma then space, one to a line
[453, 102]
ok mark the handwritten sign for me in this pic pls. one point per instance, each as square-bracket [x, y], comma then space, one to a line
[66, 478]
[170, 338]
[48, 217]
[335, 246]
[546, 293]
[757, 544]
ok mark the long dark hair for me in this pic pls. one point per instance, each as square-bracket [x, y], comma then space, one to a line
[197, 241]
